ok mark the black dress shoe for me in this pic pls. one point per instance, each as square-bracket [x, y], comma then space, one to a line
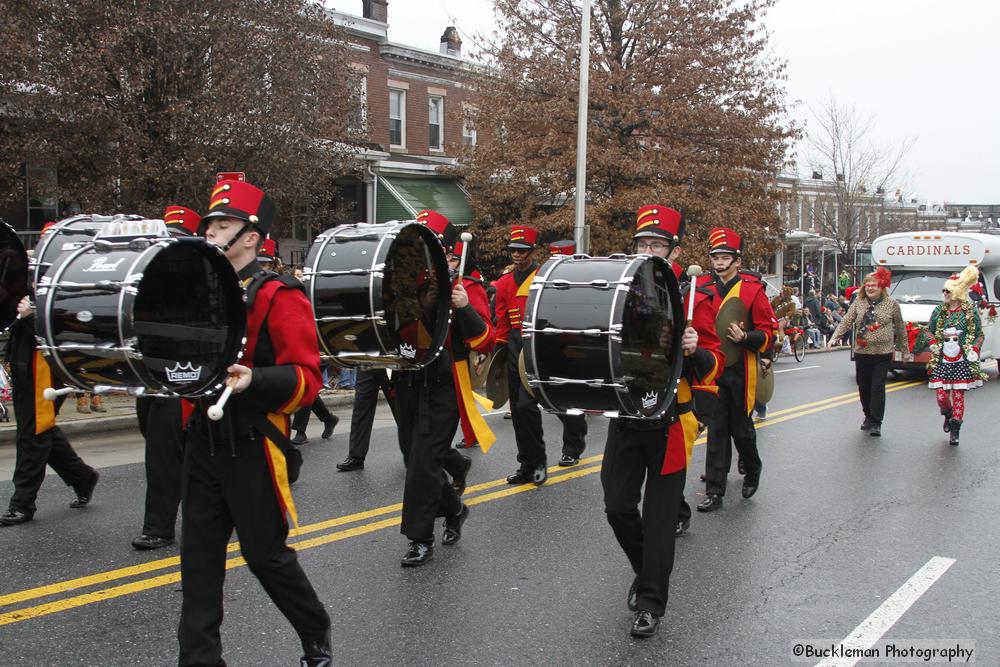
[682, 527]
[146, 542]
[632, 601]
[646, 624]
[749, 489]
[84, 495]
[458, 481]
[317, 653]
[566, 460]
[453, 526]
[418, 554]
[507, 415]
[13, 517]
[876, 430]
[711, 503]
[866, 424]
[701, 477]
[351, 463]
[300, 438]
[329, 426]
[462, 444]
[529, 475]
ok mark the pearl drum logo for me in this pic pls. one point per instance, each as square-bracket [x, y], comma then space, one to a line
[650, 400]
[408, 351]
[184, 373]
[101, 264]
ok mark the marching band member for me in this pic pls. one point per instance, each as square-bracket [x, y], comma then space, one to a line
[39, 441]
[237, 470]
[730, 419]
[429, 404]
[161, 423]
[655, 454]
[958, 335]
[511, 297]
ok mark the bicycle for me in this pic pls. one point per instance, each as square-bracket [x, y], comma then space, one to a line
[797, 338]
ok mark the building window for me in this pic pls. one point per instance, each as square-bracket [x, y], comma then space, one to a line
[468, 133]
[435, 123]
[397, 118]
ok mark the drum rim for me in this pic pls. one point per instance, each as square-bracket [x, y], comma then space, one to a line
[8, 231]
[534, 298]
[126, 322]
[46, 240]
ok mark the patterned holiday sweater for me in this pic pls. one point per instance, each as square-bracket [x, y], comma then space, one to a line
[885, 334]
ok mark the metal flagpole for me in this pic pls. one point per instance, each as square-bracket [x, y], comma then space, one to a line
[579, 232]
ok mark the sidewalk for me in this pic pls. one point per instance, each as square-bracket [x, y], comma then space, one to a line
[121, 415]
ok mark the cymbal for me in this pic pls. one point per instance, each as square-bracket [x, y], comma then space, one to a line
[765, 382]
[496, 378]
[733, 310]
[479, 366]
[524, 375]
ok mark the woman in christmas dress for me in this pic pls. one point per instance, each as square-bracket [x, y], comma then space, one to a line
[958, 334]
[880, 331]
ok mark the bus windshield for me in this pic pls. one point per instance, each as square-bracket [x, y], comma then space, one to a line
[923, 287]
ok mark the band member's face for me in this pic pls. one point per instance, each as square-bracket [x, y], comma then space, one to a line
[652, 245]
[453, 261]
[266, 265]
[724, 264]
[220, 231]
[521, 257]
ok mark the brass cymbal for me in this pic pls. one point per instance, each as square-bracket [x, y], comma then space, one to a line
[496, 378]
[765, 382]
[733, 310]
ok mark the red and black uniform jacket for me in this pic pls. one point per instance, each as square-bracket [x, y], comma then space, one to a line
[760, 327]
[511, 299]
[283, 352]
[471, 329]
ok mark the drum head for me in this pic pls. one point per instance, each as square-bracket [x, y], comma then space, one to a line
[189, 317]
[732, 311]
[652, 326]
[13, 274]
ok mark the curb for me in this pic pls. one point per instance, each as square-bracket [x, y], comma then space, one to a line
[97, 425]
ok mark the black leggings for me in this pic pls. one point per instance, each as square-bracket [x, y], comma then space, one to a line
[870, 372]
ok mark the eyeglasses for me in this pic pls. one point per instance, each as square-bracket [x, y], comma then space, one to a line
[655, 246]
[951, 338]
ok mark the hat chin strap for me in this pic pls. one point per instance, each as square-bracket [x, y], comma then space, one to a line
[236, 237]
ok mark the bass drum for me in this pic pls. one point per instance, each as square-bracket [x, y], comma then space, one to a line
[381, 295]
[160, 316]
[13, 275]
[603, 335]
[67, 234]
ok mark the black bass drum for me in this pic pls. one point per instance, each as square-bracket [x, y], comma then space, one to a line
[381, 295]
[148, 315]
[65, 235]
[13, 274]
[603, 335]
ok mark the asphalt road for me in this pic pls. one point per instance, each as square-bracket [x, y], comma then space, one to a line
[835, 543]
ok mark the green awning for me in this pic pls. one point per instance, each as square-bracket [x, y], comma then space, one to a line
[400, 198]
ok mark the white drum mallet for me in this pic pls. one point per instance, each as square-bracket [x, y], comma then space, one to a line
[693, 272]
[215, 412]
[50, 394]
[466, 240]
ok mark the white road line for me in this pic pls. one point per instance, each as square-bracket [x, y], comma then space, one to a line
[889, 612]
[800, 368]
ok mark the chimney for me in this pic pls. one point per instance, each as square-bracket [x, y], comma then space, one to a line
[376, 10]
[451, 43]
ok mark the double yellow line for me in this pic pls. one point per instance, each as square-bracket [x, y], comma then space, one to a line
[587, 466]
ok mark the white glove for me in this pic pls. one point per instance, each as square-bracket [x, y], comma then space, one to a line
[972, 355]
[935, 348]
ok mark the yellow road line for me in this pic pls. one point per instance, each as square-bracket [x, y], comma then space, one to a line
[166, 579]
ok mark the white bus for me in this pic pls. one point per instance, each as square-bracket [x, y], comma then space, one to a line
[920, 263]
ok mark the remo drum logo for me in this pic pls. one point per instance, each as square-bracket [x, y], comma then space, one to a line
[183, 373]
[102, 264]
[408, 351]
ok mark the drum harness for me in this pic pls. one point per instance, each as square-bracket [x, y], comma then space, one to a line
[293, 457]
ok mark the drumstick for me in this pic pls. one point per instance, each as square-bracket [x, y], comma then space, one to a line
[466, 239]
[51, 394]
[693, 272]
[215, 412]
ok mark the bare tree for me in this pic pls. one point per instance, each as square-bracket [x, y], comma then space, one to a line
[843, 148]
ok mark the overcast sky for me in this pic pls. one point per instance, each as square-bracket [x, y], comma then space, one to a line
[922, 69]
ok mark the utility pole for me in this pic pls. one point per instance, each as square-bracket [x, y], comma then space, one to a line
[580, 229]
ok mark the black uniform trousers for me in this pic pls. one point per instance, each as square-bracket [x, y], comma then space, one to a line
[366, 389]
[160, 424]
[301, 418]
[632, 457]
[527, 418]
[870, 372]
[426, 419]
[728, 425]
[223, 491]
[35, 451]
